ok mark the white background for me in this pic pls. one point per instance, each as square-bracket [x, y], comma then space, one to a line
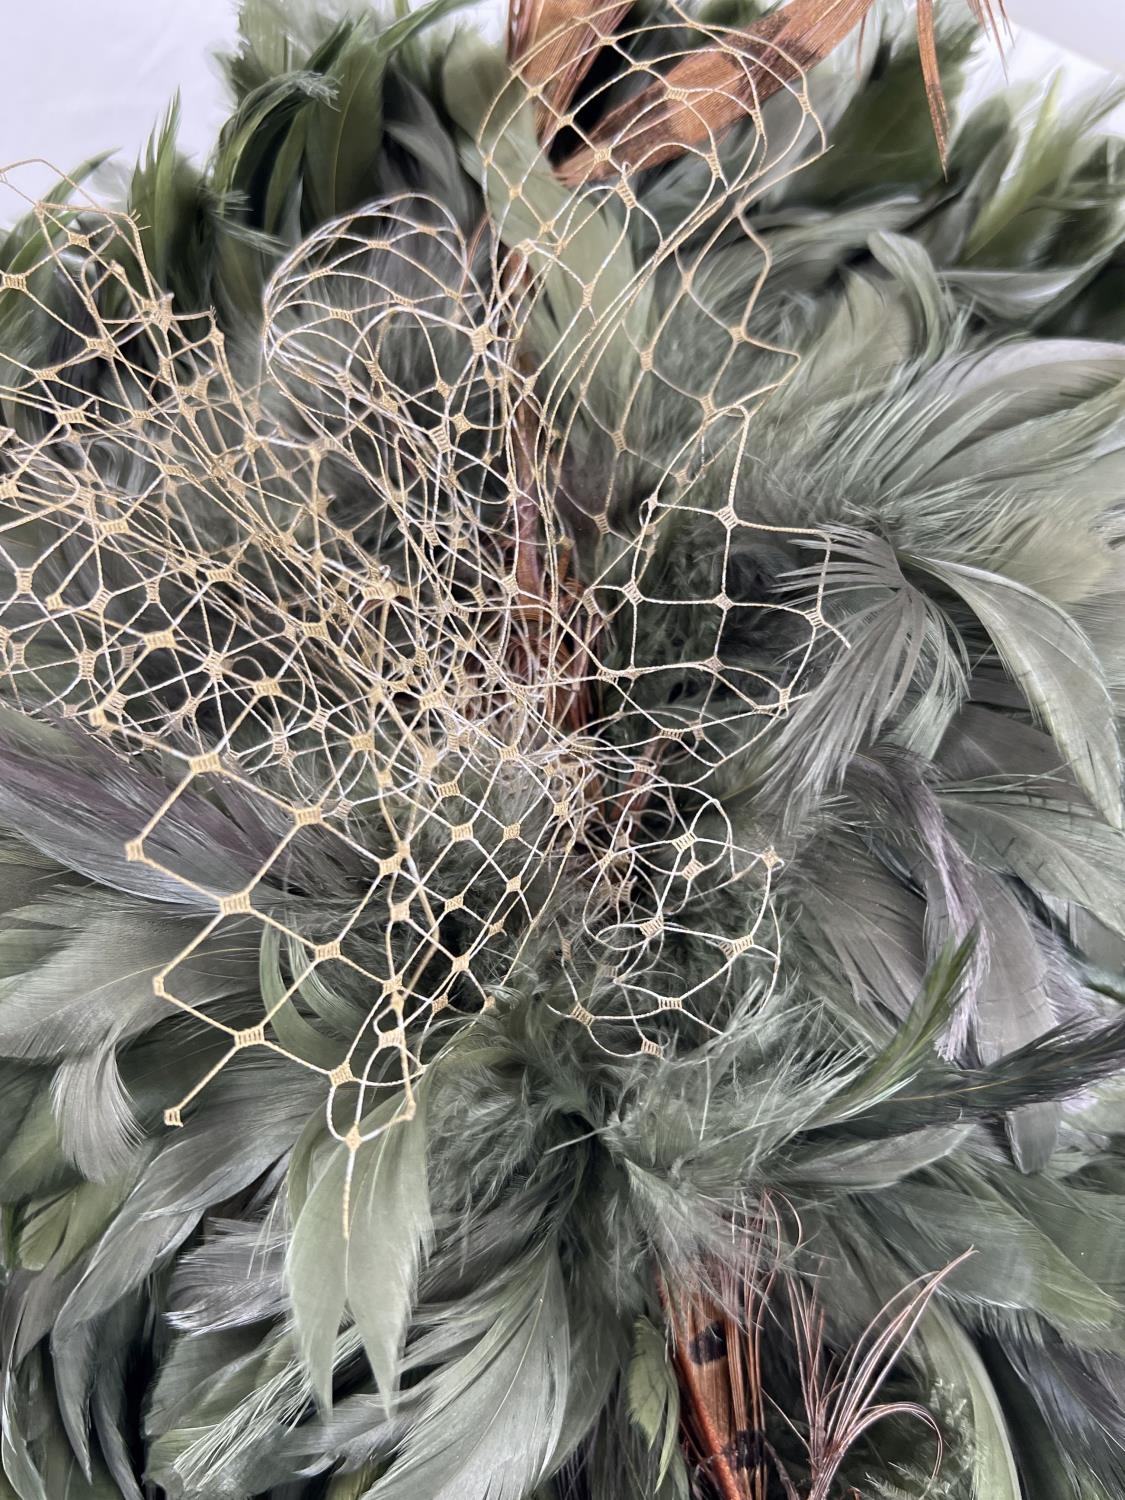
[82, 76]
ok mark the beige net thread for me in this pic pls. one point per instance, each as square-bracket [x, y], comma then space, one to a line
[339, 589]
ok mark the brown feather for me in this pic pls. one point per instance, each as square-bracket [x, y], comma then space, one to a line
[708, 90]
[705, 1383]
[931, 72]
[555, 43]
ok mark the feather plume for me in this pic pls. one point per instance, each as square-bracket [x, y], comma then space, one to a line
[560, 783]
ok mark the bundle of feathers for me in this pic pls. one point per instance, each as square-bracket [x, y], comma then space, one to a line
[561, 856]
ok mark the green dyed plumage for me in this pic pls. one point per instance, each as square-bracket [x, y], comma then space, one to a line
[847, 638]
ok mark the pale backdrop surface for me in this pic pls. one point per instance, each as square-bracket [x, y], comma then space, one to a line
[80, 77]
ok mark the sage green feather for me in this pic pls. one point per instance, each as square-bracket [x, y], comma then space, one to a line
[560, 783]
[389, 1232]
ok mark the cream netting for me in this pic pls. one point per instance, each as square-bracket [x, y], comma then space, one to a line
[338, 590]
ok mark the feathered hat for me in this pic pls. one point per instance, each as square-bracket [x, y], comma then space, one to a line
[561, 856]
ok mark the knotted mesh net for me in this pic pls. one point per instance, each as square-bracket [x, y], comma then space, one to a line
[398, 581]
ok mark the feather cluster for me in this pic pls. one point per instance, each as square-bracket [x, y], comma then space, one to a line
[562, 914]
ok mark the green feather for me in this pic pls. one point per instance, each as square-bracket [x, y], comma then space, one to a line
[389, 1232]
[1055, 667]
